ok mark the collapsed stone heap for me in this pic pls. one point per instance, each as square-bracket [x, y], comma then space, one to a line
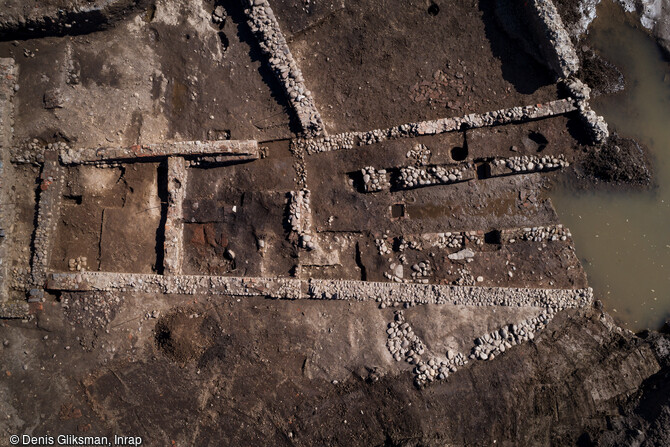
[403, 343]
[495, 343]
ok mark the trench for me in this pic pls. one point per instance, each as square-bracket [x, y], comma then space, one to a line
[623, 238]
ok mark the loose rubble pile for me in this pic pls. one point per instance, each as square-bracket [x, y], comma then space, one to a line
[475, 236]
[421, 271]
[78, 264]
[92, 310]
[420, 153]
[404, 344]
[465, 277]
[447, 240]
[300, 218]
[382, 246]
[374, 180]
[492, 345]
[411, 176]
[405, 242]
[219, 15]
[530, 163]
[263, 23]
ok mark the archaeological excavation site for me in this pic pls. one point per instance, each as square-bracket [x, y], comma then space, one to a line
[331, 222]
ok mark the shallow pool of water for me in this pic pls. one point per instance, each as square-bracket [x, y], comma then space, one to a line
[623, 239]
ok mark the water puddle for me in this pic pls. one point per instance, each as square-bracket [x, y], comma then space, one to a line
[623, 239]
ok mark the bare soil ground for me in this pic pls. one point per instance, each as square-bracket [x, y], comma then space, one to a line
[111, 217]
[449, 64]
[265, 371]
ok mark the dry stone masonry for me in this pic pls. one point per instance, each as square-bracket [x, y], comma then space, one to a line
[233, 150]
[561, 56]
[403, 343]
[50, 194]
[517, 114]
[412, 177]
[527, 163]
[32, 152]
[289, 288]
[174, 223]
[536, 234]
[285, 288]
[300, 218]
[375, 180]
[263, 23]
[555, 42]
[437, 369]
[8, 78]
[595, 124]
[8, 84]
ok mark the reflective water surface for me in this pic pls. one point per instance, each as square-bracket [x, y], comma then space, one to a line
[623, 239]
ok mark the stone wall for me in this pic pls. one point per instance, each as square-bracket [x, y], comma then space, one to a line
[517, 114]
[289, 288]
[263, 23]
[174, 223]
[48, 212]
[8, 78]
[300, 219]
[543, 233]
[527, 164]
[553, 39]
[8, 81]
[234, 150]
